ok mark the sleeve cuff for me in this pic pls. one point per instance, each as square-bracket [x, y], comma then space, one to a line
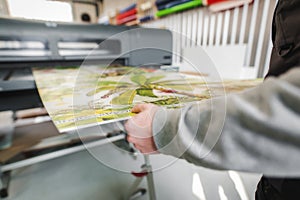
[165, 128]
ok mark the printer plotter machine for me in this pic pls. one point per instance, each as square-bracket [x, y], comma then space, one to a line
[27, 44]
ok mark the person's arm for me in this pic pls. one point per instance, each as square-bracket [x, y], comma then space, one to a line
[254, 131]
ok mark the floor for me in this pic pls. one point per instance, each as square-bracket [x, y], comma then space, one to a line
[81, 176]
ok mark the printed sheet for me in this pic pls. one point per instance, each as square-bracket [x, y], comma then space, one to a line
[78, 97]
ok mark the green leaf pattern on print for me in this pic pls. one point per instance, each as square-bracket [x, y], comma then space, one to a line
[141, 85]
[139, 79]
[125, 98]
[147, 92]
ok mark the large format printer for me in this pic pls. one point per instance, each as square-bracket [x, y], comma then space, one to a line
[26, 44]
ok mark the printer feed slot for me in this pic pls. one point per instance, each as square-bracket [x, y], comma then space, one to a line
[77, 45]
[89, 48]
[10, 47]
[21, 45]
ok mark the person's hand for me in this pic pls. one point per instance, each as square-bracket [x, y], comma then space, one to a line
[139, 128]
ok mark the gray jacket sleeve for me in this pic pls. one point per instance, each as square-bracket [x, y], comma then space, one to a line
[257, 130]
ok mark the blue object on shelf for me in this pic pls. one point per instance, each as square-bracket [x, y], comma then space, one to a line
[132, 6]
[162, 2]
[172, 4]
[146, 18]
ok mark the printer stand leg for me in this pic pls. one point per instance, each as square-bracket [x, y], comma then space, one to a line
[5, 178]
[150, 180]
[145, 173]
[135, 191]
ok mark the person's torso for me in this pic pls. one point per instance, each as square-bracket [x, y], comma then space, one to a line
[285, 37]
[285, 55]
